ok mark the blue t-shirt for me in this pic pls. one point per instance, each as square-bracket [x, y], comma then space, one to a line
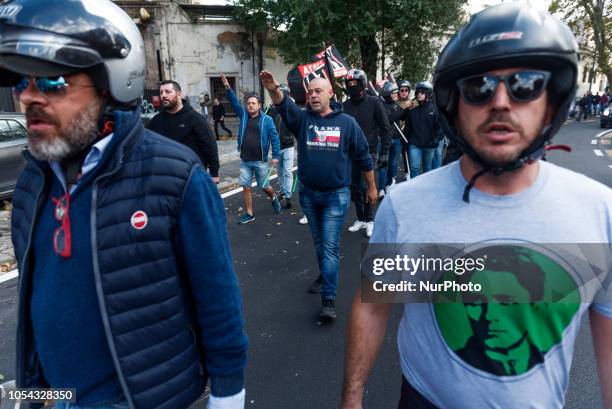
[498, 355]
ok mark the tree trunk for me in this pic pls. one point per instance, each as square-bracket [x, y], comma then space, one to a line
[369, 55]
[609, 77]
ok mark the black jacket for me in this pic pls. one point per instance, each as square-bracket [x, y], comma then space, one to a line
[218, 111]
[392, 109]
[373, 120]
[422, 128]
[286, 136]
[189, 128]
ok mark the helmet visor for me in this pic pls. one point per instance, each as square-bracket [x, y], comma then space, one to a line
[41, 54]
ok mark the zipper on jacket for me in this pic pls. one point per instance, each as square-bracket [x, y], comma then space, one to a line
[98, 281]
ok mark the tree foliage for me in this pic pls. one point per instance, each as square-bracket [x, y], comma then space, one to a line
[591, 22]
[413, 30]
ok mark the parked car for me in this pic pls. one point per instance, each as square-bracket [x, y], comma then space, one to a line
[606, 118]
[13, 140]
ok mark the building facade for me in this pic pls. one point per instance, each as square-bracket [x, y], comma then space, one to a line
[192, 44]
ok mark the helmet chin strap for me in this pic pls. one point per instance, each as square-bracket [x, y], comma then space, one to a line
[534, 152]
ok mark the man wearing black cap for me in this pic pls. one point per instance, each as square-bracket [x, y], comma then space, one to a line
[503, 86]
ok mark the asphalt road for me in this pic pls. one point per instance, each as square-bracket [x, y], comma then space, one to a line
[296, 362]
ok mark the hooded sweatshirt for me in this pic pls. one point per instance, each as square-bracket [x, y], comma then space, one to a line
[191, 129]
[372, 118]
[327, 146]
[422, 128]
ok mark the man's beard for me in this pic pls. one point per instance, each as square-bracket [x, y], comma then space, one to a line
[78, 135]
[171, 104]
[492, 154]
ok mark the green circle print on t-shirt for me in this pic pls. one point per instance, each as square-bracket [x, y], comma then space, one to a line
[525, 303]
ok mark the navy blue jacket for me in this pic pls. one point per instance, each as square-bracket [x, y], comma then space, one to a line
[167, 294]
[268, 135]
[327, 146]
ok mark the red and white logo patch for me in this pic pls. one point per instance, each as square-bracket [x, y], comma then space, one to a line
[139, 220]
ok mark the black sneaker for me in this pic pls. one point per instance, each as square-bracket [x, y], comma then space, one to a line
[316, 286]
[328, 309]
[287, 204]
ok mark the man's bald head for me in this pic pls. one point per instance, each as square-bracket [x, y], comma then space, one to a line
[319, 95]
[319, 82]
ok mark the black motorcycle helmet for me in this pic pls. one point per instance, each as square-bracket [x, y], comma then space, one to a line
[506, 36]
[424, 86]
[57, 37]
[388, 89]
[359, 75]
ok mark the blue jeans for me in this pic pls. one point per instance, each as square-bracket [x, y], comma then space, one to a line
[385, 176]
[285, 172]
[420, 157]
[326, 211]
[250, 168]
[437, 159]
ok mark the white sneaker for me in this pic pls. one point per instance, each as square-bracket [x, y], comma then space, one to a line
[357, 225]
[303, 220]
[381, 194]
[369, 228]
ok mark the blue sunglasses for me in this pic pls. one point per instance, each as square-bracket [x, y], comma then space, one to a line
[49, 86]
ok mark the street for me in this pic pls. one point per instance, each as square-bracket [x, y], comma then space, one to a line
[294, 360]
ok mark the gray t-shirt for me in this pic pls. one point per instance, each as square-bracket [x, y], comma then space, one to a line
[448, 352]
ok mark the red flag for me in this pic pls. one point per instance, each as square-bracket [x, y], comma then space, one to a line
[313, 70]
[338, 65]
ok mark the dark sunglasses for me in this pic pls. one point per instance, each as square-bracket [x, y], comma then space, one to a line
[62, 237]
[419, 92]
[404, 90]
[522, 86]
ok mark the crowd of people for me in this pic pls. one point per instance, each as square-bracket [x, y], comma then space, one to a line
[590, 105]
[127, 289]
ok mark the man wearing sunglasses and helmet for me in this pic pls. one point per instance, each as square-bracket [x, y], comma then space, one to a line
[119, 233]
[503, 86]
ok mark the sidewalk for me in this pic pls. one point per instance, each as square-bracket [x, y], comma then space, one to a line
[6, 247]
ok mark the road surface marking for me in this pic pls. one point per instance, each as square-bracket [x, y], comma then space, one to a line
[594, 142]
[598, 152]
[8, 276]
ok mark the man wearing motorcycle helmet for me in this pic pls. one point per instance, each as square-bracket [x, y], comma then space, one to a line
[372, 118]
[389, 94]
[503, 86]
[422, 130]
[404, 88]
[120, 286]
